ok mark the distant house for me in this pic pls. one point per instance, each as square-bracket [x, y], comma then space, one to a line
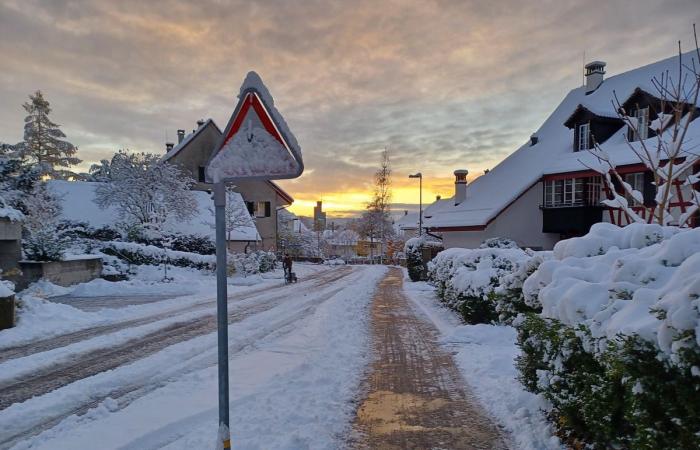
[263, 198]
[341, 243]
[545, 190]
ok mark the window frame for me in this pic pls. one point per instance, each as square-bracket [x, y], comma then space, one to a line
[583, 144]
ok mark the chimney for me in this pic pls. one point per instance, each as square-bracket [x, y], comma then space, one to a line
[460, 185]
[594, 75]
[438, 198]
[534, 139]
[180, 136]
[200, 122]
[168, 146]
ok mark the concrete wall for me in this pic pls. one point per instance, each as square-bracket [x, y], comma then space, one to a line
[62, 273]
[10, 244]
[521, 221]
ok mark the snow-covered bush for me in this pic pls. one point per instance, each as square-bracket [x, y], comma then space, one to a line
[140, 254]
[498, 242]
[413, 249]
[42, 239]
[252, 263]
[484, 284]
[616, 349]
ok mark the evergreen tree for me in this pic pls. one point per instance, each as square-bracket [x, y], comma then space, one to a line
[43, 144]
[17, 178]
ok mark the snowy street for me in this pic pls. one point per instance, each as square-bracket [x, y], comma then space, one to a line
[156, 376]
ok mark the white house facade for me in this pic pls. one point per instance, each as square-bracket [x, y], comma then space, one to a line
[547, 189]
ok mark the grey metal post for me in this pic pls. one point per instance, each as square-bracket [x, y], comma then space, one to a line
[420, 207]
[221, 306]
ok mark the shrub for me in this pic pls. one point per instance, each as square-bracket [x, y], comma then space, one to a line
[621, 394]
[252, 263]
[193, 244]
[484, 285]
[150, 255]
[498, 242]
[414, 260]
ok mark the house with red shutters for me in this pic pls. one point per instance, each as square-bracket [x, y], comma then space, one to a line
[548, 190]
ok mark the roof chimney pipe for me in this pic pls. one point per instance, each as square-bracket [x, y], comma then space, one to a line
[180, 136]
[168, 146]
[594, 75]
[460, 185]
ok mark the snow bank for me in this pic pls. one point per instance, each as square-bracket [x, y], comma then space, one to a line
[640, 279]
[10, 213]
[6, 289]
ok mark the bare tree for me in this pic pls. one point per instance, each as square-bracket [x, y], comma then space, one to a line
[375, 222]
[671, 157]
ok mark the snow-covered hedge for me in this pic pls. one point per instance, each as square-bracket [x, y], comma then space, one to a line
[485, 284]
[616, 349]
[149, 254]
[252, 263]
[413, 249]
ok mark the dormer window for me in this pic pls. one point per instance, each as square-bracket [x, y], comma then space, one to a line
[584, 136]
[642, 123]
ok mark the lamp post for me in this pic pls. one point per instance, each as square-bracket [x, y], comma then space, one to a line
[420, 204]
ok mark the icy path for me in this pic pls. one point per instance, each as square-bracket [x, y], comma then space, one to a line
[297, 354]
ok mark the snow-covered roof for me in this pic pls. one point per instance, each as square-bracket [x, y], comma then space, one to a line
[78, 203]
[492, 192]
[189, 138]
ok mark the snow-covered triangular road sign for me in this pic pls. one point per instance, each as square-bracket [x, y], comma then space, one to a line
[257, 143]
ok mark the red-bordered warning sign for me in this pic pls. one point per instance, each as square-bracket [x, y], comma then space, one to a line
[256, 143]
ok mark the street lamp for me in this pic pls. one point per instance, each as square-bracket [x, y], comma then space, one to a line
[420, 205]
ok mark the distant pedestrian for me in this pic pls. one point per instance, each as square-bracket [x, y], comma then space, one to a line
[287, 266]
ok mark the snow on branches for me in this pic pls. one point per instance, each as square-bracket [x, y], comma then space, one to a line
[146, 192]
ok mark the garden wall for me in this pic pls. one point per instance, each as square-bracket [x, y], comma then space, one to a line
[62, 273]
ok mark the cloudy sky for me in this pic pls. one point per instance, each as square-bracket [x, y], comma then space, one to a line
[441, 84]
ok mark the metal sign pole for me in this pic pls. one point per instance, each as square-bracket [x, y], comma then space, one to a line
[222, 311]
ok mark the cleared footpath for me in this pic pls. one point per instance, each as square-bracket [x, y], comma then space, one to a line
[415, 397]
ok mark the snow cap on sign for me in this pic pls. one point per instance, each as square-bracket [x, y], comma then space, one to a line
[257, 142]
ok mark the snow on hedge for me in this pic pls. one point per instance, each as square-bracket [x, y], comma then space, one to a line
[638, 280]
[158, 253]
[477, 272]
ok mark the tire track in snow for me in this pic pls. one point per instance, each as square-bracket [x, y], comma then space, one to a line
[62, 340]
[102, 360]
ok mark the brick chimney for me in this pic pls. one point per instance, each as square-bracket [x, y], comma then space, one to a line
[595, 72]
[460, 185]
[180, 136]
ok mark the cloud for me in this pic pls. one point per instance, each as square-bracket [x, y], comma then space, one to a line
[443, 84]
